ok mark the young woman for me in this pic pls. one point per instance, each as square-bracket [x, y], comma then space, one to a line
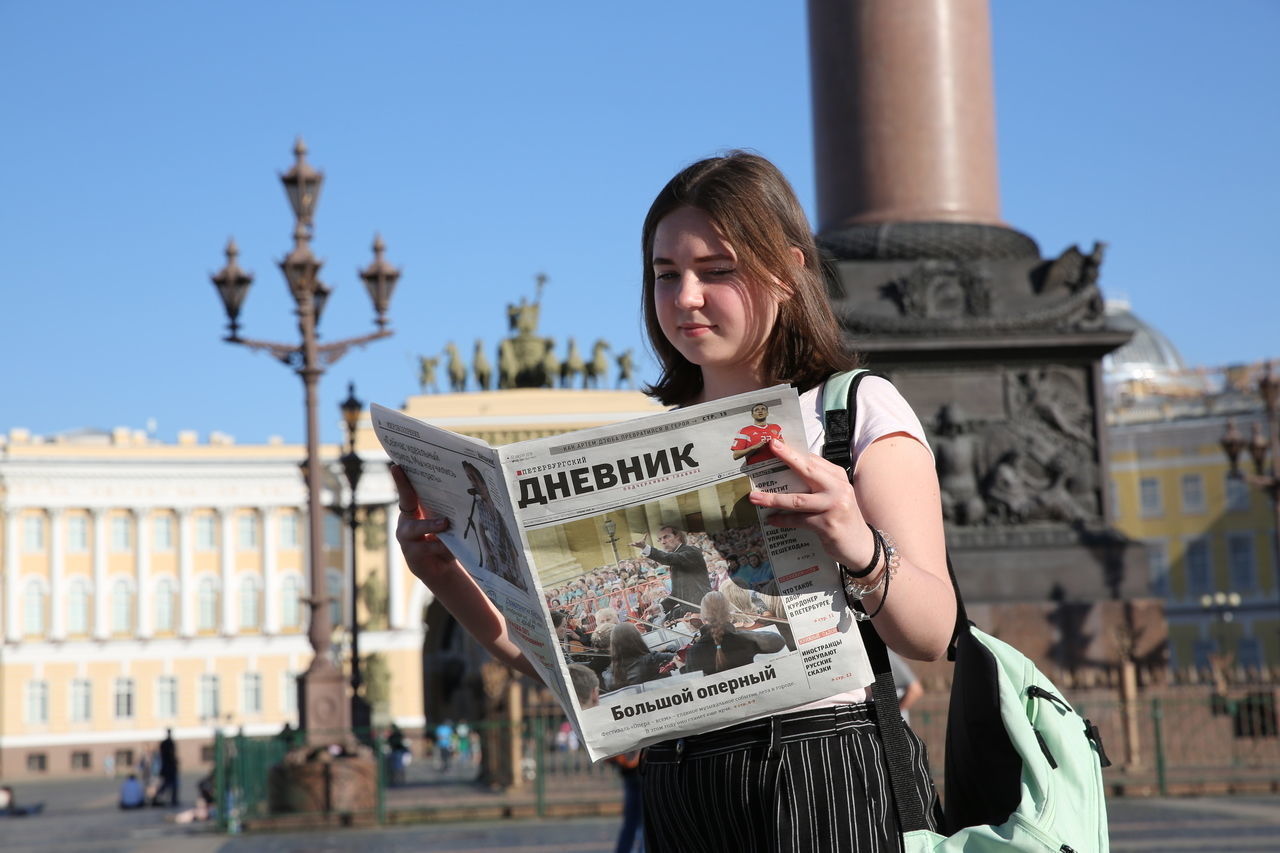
[631, 661]
[734, 301]
[720, 645]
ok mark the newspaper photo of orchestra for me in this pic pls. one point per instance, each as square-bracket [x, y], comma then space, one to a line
[686, 603]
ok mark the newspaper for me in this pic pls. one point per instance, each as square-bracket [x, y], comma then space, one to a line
[642, 518]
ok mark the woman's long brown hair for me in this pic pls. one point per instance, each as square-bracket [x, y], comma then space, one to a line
[758, 214]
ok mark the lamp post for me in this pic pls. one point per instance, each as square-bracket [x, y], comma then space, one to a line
[1265, 450]
[322, 708]
[1222, 605]
[361, 718]
[611, 527]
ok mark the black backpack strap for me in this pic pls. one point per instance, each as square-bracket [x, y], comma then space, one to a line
[909, 801]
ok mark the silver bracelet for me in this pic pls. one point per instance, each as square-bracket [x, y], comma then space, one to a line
[892, 561]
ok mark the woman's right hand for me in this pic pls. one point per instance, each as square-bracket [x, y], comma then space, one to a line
[428, 558]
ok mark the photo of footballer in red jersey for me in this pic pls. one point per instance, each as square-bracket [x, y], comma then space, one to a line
[753, 440]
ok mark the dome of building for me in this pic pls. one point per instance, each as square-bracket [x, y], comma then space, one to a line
[1149, 364]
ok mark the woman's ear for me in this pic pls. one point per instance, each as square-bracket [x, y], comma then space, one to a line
[798, 254]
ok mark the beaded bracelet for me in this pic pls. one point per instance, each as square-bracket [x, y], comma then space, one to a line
[858, 591]
[888, 576]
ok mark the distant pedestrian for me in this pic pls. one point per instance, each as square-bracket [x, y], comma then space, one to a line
[909, 687]
[144, 768]
[444, 743]
[132, 794]
[168, 770]
[397, 754]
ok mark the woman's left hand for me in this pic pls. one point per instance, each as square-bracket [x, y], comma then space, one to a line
[830, 509]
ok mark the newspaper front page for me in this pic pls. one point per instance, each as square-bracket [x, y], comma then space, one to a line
[632, 524]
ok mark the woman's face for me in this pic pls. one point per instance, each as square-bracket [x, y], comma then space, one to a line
[708, 311]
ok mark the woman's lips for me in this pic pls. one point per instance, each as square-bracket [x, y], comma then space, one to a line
[695, 330]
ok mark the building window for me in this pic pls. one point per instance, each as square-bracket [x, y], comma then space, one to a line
[33, 534]
[1158, 568]
[1199, 567]
[289, 692]
[250, 602]
[121, 607]
[248, 525]
[81, 760]
[251, 690]
[333, 586]
[1237, 494]
[162, 532]
[1149, 497]
[121, 536]
[209, 708]
[1192, 493]
[206, 533]
[289, 530]
[77, 534]
[81, 700]
[37, 762]
[1241, 562]
[332, 531]
[37, 702]
[124, 698]
[33, 608]
[78, 607]
[208, 604]
[164, 605]
[291, 602]
[167, 697]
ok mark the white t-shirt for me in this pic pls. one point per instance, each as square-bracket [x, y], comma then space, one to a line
[881, 411]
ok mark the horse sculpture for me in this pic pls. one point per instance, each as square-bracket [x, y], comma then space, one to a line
[508, 367]
[481, 366]
[427, 373]
[457, 368]
[625, 368]
[572, 366]
[550, 365]
[598, 367]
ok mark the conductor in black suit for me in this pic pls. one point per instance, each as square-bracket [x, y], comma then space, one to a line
[689, 581]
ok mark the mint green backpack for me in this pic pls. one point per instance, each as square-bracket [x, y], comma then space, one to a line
[1023, 769]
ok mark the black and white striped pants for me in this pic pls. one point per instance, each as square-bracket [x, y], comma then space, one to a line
[806, 781]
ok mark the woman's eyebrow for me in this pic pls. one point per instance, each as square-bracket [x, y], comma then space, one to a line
[698, 260]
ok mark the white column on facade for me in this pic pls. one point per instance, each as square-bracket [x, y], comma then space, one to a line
[397, 606]
[142, 564]
[270, 571]
[57, 575]
[227, 559]
[186, 584]
[12, 613]
[101, 595]
[709, 505]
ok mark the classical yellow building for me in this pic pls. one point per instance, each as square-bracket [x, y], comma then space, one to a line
[148, 586]
[1206, 532]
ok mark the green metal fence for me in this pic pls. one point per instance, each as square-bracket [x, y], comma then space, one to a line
[1165, 744]
[258, 778]
[1177, 741]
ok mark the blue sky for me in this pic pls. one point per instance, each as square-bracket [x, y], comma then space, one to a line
[490, 142]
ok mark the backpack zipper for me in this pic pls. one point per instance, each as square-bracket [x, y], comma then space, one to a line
[1037, 692]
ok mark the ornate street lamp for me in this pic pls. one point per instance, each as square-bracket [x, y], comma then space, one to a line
[611, 527]
[323, 709]
[361, 718]
[1264, 447]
